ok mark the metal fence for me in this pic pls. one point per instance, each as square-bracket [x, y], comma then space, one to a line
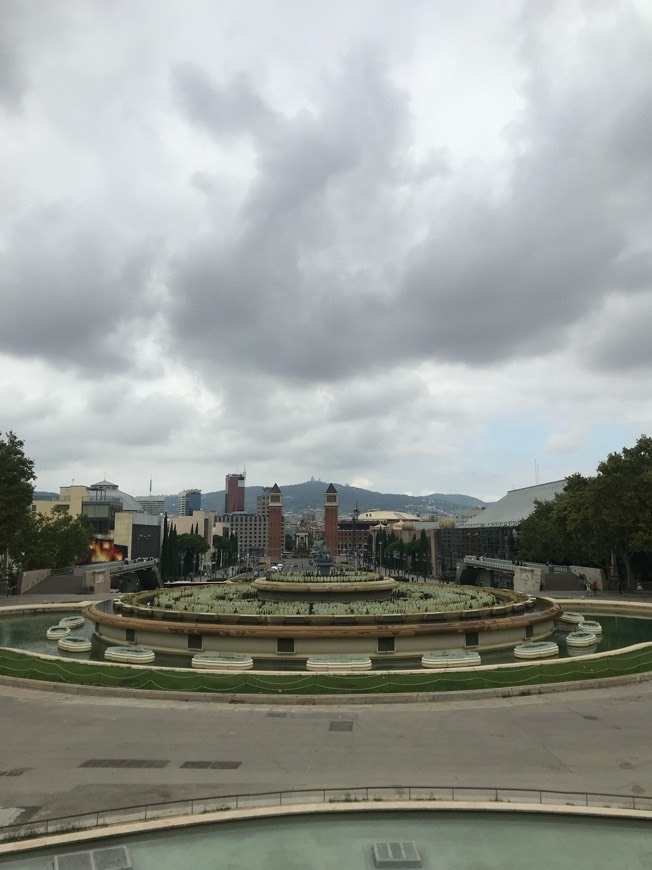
[375, 794]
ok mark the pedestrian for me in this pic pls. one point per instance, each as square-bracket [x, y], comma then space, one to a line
[594, 587]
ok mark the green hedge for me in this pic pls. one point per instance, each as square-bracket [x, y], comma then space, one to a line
[31, 667]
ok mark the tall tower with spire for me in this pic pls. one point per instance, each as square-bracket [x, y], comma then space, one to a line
[331, 518]
[275, 524]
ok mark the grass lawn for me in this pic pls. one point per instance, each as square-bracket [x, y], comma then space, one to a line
[31, 667]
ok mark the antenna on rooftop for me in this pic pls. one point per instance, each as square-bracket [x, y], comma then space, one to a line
[536, 472]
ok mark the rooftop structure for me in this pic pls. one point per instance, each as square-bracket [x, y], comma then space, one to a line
[516, 506]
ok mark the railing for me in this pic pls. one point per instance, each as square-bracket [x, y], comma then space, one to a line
[506, 565]
[374, 794]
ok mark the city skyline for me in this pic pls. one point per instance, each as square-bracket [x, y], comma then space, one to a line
[404, 248]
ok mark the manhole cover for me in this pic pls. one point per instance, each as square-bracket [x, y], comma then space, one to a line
[341, 725]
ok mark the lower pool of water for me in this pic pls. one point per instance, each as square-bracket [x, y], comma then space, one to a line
[443, 840]
[27, 632]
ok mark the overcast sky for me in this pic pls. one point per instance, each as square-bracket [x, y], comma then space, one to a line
[400, 245]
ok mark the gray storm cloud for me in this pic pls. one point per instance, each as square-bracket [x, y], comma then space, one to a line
[497, 278]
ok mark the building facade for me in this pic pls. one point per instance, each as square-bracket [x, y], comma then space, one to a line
[189, 501]
[154, 505]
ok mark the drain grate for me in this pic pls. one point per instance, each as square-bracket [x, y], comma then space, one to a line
[212, 765]
[396, 854]
[113, 858]
[124, 762]
[341, 725]
[276, 714]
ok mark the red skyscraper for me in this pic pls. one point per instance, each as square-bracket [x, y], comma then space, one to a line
[234, 493]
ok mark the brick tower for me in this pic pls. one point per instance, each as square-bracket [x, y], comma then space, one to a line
[331, 512]
[275, 524]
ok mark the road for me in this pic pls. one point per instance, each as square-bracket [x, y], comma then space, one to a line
[586, 740]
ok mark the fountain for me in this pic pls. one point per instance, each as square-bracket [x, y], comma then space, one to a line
[327, 613]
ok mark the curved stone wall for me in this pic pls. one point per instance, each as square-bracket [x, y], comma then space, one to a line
[271, 638]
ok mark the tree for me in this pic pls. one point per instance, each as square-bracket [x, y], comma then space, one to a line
[16, 491]
[225, 550]
[619, 510]
[595, 516]
[165, 551]
[56, 541]
[191, 545]
[173, 554]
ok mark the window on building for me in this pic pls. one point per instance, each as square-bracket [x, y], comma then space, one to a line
[472, 638]
[130, 635]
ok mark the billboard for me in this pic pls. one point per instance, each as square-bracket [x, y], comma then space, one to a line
[105, 550]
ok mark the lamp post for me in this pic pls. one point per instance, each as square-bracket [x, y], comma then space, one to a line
[355, 514]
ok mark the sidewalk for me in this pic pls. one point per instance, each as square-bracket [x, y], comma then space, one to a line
[24, 600]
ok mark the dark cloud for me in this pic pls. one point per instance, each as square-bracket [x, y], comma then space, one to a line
[222, 111]
[321, 273]
[14, 80]
[72, 293]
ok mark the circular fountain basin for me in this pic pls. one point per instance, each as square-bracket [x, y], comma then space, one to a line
[335, 663]
[592, 626]
[581, 639]
[222, 662]
[581, 650]
[56, 632]
[72, 621]
[538, 649]
[571, 617]
[75, 644]
[450, 658]
[133, 655]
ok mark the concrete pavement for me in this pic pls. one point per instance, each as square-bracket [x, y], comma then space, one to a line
[591, 740]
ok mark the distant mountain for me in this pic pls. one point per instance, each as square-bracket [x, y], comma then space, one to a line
[300, 498]
[45, 496]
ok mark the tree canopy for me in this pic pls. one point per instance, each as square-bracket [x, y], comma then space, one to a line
[595, 517]
[56, 541]
[16, 491]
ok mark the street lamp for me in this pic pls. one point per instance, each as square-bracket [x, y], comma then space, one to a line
[355, 514]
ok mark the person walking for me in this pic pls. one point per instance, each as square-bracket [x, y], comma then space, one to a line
[594, 587]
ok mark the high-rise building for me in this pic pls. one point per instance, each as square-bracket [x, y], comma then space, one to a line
[259, 534]
[331, 512]
[189, 501]
[234, 493]
[152, 504]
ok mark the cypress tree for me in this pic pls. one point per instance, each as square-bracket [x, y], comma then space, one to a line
[173, 561]
[163, 562]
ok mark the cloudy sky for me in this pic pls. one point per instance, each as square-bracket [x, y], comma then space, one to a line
[400, 245]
